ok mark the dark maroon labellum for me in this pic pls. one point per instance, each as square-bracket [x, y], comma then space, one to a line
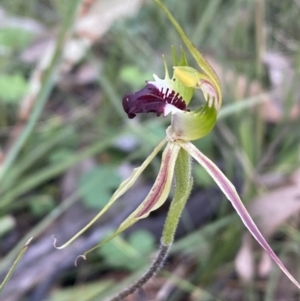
[151, 100]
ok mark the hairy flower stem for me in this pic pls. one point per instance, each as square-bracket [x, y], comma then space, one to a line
[183, 188]
[184, 183]
[156, 265]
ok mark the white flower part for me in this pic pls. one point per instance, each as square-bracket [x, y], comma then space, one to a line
[163, 85]
[166, 87]
[210, 94]
[169, 108]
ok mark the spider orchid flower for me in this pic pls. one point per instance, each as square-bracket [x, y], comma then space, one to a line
[172, 95]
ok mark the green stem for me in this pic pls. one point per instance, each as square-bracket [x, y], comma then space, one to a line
[184, 183]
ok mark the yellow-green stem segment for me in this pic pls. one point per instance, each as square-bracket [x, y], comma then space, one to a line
[184, 183]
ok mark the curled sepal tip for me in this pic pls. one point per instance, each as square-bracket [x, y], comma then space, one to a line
[157, 195]
[78, 257]
[230, 192]
[54, 241]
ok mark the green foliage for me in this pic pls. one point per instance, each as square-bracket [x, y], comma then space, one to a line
[61, 154]
[133, 76]
[85, 292]
[40, 205]
[201, 177]
[7, 223]
[130, 254]
[12, 88]
[14, 38]
[102, 181]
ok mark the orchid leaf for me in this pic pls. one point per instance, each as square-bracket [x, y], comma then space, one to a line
[124, 186]
[157, 195]
[230, 192]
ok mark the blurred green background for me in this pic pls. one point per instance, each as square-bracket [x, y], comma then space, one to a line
[65, 145]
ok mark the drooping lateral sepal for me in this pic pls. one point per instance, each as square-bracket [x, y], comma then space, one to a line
[230, 192]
